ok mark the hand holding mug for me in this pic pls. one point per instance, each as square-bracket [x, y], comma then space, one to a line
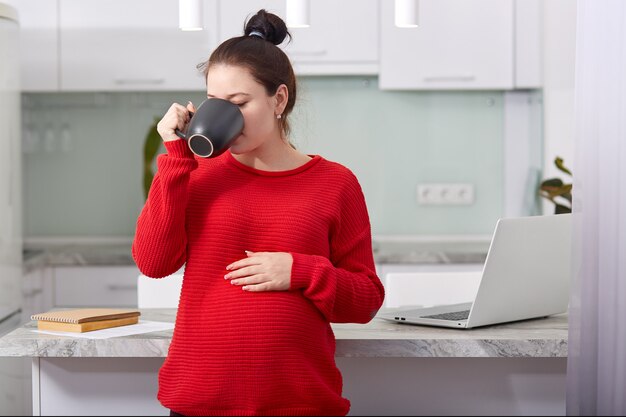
[177, 117]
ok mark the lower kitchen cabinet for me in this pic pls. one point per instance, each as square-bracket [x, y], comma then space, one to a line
[95, 286]
[37, 292]
[15, 378]
[375, 386]
[385, 268]
[15, 387]
[428, 284]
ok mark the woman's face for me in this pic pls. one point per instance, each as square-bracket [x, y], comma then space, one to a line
[259, 110]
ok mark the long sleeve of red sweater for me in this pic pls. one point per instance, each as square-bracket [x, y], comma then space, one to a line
[345, 288]
[160, 243]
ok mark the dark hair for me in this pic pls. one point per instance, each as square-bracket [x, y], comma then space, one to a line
[267, 63]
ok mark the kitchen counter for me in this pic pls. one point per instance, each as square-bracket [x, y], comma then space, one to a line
[541, 338]
[387, 369]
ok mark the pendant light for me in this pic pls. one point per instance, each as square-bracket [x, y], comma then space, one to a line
[298, 13]
[407, 13]
[190, 14]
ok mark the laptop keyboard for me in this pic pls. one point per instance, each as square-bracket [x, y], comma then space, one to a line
[454, 316]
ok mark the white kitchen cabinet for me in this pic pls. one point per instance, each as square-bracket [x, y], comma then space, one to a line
[131, 45]
[459, 44]
[160, 292]
[15, 379]
[37, 292]
[95, 286]
[528, 43]
[343, 37]
[385, 268]
[38, 44]
[428, 289]
[428, 284]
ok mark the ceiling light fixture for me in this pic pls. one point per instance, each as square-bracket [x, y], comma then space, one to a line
[407, 13]
[190, 14]
[298, 13]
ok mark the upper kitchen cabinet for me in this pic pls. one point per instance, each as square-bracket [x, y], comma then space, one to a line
[528, 43]
[124, 45]
[38, 44]
[343, 37]
[459, 44]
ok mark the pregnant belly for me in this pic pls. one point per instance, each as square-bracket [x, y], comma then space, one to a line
[226, 318]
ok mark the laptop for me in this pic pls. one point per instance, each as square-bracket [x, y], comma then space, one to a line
[526, 275]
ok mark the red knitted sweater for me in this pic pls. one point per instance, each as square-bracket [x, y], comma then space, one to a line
[236, 352]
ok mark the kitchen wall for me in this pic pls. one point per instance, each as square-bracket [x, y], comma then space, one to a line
[83, 154]
[559, 62]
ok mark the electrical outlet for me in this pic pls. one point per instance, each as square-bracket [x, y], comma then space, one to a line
[445, 194]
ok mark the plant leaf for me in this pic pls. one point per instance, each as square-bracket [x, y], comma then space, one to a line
[568, 197]
[559, 164]
[552, 182]
[151, 146]
[561, 209]
[554, 191]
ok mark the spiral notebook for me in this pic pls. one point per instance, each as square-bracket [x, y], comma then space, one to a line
[85, 319]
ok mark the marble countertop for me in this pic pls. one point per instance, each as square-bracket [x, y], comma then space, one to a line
[384, 253]
[546, 337]
[431, 252]
[109, 254]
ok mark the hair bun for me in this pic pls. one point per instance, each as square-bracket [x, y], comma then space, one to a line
[272, 27]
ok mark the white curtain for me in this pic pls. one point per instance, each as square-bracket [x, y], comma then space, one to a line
[596, 369]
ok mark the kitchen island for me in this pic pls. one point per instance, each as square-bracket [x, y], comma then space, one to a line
[388, 368]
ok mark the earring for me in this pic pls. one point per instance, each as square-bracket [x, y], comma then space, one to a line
[279, 116]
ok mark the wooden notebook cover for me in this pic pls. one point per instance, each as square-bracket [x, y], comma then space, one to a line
[87, 326]
[83, 315]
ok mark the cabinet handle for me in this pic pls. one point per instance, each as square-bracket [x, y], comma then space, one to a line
[118, 287]
[309, 53]
[451, 78]
[145, 81]
[32, 293]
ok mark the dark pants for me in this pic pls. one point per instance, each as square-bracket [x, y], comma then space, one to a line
[174, 413]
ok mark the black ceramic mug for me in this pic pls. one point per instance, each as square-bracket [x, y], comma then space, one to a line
[213, 127]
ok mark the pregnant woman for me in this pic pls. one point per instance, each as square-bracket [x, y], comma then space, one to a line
[276, 246]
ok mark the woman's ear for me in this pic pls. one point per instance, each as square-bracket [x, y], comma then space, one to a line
[281, 97]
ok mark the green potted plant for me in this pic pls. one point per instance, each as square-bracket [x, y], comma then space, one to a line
[152, 144]
[557, 191]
